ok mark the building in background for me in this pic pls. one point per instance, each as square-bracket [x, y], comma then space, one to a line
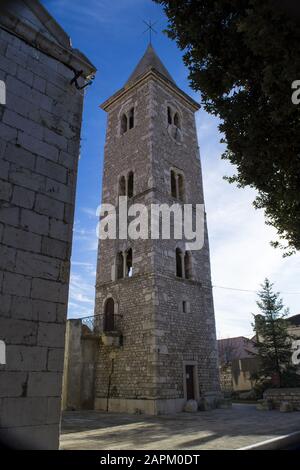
[237, 363]
[237, 360]
[294, 325]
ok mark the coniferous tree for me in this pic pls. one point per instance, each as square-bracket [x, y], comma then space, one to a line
[273, 340]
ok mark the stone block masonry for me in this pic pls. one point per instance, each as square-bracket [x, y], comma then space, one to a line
[280, 395]
[160, 306]
[39, 146]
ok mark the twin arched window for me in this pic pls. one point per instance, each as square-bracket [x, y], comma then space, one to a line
[124, 266]
[174, 118]
[126, 184]
[127, 121]
[183, 264]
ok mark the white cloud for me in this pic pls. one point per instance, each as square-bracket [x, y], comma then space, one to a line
[90, 212]
[241, 255]
[87, 237]
[82, 291]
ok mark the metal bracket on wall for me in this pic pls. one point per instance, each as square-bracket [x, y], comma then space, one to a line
[77, 75]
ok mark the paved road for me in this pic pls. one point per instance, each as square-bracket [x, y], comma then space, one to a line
[233, 428]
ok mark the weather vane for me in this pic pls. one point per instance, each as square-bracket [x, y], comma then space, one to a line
[150, 28]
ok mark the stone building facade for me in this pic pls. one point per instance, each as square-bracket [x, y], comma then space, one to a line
[153, 297]
[40, 126]
[237, 364]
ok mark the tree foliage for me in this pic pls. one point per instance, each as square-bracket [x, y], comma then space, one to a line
[243, 56]
[273, 341]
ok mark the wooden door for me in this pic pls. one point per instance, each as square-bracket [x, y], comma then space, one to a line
[190, 385]
[109, 324]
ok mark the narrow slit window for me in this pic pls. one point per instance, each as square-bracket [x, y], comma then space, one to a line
[177, 120]
[184, 306]
[130, 184]
[124, 123]
[180, 187]
[122, 186]
[129, 270]
[169, 115]
[120, 265]
[187, 265]
[131, 118]
[178, 263]
[173, 184]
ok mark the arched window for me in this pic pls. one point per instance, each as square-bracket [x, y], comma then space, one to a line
[120, 264]
[178, 263]
[180, 187]
[177, 120]
[131, 118]
[130, 184]
[124, 123]
[188, 265]
[109, 313]
[169, 115]
[129, 269]
[173, 184]
[122, 186]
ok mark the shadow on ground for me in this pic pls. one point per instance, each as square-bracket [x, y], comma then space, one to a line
[232, 428]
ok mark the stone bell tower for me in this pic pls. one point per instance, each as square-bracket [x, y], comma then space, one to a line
[154, 303]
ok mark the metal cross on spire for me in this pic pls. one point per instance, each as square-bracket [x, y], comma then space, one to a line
[150, 28]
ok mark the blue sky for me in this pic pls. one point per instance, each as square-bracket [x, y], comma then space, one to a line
[110, 33]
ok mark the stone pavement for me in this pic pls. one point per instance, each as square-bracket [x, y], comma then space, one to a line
[220, 429]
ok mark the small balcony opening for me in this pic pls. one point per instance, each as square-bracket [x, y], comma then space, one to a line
[109, 310]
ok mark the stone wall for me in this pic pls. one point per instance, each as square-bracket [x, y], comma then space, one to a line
[79, 367]
[39, 147]
[236, 375]
[279, 395]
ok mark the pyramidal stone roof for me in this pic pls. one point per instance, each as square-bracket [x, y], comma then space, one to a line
[149, 61]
